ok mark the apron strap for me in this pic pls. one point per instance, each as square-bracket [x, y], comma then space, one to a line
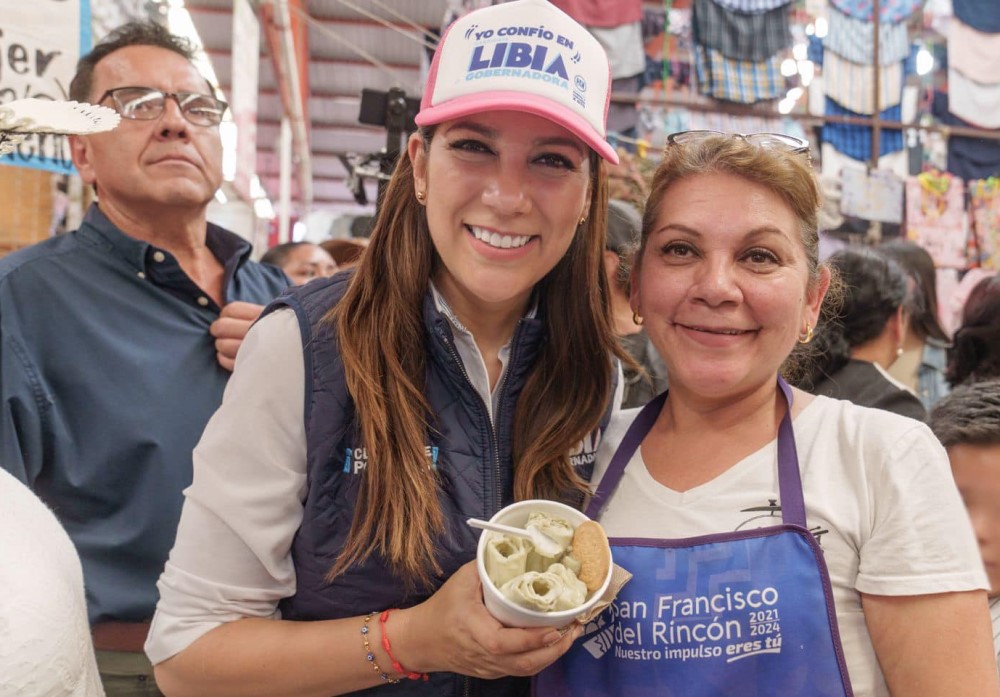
[644, 421]
[793, 507]
[793, 510]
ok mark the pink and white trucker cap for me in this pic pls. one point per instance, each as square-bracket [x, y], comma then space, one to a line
[526, 55]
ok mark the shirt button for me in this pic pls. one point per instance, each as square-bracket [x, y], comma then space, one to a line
[203, 301]
[141, 274]
[159, 256]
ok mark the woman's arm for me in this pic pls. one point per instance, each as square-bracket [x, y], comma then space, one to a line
[933, 645]
[451, 631]
[216, 630]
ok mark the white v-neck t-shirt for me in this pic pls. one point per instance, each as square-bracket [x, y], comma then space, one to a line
[879, 496]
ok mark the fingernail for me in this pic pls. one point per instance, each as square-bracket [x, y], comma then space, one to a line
[552, 638]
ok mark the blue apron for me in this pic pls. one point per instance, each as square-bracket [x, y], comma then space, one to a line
[737, 614]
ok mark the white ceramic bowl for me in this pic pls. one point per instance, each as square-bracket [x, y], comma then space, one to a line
[508, 613]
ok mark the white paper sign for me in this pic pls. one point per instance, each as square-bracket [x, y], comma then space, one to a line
[40, 43]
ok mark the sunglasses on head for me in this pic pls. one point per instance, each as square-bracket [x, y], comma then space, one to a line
[768, 141]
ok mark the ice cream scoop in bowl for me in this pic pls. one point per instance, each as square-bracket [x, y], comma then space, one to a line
[524, 586]
[543, 544]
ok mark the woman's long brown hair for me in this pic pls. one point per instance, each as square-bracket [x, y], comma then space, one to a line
[381, 333]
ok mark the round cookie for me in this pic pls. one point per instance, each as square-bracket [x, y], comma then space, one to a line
[592, 550]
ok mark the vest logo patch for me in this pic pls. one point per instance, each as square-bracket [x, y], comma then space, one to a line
[586, 452]
[357, 459]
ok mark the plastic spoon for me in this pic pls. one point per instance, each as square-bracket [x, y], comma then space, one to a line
[544, 544]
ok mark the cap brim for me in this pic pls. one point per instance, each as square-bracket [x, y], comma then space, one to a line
[519, 101]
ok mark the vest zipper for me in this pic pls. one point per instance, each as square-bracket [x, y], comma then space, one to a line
[500, 394]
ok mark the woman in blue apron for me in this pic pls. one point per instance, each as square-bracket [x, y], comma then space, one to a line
[781, 543]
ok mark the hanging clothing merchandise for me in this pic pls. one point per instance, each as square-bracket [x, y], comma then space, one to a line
[973, 53]
[594, 13]
[936, 217]
[853, 39]
[850, 84]
[856, 141]
[748, 612]
[983, 15]
[875, 195]
[751, 7]
[972, 101]
[890, 11]
[968, 157]
[745, 82]
[984, 197]
[745, 37]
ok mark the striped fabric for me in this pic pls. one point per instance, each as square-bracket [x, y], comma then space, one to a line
[746, 37]
[856, 141]
[981, 15]
[744, 82]
[851, 84]
[890, 11]
[852, 39]
[752, 7]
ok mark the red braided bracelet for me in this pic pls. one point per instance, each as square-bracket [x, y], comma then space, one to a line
[396, 665]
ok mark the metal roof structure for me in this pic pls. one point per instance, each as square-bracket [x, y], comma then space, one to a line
[350, 45]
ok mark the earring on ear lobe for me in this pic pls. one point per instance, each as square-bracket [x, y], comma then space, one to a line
[420, 196]
[899, 351]
[636, 318]
[808, 336]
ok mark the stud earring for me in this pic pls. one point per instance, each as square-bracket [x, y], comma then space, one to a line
[808, 336]
[420, 196]
[636, 318]
[899, 351]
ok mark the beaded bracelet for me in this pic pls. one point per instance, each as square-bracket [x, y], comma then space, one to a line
[396, 665]
[371, 656]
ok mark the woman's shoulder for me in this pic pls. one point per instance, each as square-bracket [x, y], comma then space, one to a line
[856, 428]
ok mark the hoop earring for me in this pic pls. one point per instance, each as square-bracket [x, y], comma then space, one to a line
[636, 318]
[805, 339]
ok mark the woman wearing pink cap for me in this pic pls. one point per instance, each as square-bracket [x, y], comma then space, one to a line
[465, 364]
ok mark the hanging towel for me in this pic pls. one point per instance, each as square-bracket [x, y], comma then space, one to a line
[968, 157]
[983, 15]
[973, 53]
[850, 84]
[856, 141]
[745, 82]
[973, 101]
[752, 6]
[852, 39]
[745, 37]
[875, 195]
[890, 11]
[984, 195]
[936, 218]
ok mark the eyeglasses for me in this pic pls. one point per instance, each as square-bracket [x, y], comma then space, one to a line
[146, 104]
[767, 141]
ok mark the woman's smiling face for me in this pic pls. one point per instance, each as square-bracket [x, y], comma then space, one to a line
[723, 284]
[504, 193]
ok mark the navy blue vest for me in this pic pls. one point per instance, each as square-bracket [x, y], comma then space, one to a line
[472, 458]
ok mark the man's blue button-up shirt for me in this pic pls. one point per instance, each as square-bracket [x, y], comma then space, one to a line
[108, 375]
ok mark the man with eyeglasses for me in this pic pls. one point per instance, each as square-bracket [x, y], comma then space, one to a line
[116, 341]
